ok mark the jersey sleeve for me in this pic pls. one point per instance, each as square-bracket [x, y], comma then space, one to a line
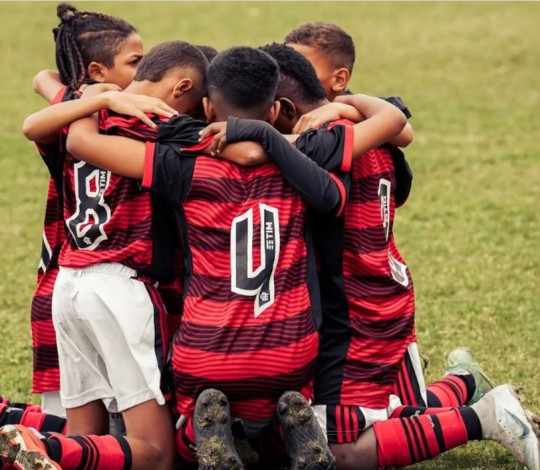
[330, 146]
[398, 103]
[319, 190]
[169, 162]
[128, 126]
[167, 172]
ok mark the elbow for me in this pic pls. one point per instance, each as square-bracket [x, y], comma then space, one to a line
[35, 82]
[28, 129]
[402, 122]
[404, 138]
[33, 131]
[254, 156]
[74, 143]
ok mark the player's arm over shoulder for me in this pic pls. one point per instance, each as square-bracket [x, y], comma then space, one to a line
[47, 84]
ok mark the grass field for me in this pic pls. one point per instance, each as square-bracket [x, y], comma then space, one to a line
[470, 231]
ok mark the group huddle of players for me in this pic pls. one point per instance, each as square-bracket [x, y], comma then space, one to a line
[219, 262]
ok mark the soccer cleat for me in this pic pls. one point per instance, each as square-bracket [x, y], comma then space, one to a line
[23, 449]
[304, 439]
[213, 434]
[460, 361]
[504, 420]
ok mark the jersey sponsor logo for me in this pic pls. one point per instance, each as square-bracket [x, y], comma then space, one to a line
[86, 225]
[398, 270]
[245, 280]
[384, 201]
[46, 254]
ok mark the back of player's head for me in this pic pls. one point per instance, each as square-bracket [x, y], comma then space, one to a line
[82, 37]
[209, 51]
[245, 79]
[332, 41]
[169, 55]
[297, 78]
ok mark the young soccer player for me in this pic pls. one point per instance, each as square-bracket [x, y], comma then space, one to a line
[346, 403]
[111, 261]
[331, 51]
[281, 295]
[89, 47]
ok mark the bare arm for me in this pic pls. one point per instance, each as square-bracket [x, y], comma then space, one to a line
[47, 84]
[43, 126]
[355, 108]
[121, 155]
[327, 113]
[404, 138]
[241, 153]
[383, 122]
[126, 157]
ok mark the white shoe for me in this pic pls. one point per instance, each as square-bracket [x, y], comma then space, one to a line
[461, 361]
[504, 420]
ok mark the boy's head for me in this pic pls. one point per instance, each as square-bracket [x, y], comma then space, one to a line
[91, 47]
[174, 71]
[299, 90]
[242, 82]
[330, 50]
[209, 51]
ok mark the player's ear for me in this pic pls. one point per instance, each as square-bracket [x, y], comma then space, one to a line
[340, 80]
[208, 110]
[96, 71]
[288, 109]
[274, 112]
[182, 86]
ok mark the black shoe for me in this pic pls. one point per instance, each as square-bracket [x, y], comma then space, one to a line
[304, 438]
[213, 435]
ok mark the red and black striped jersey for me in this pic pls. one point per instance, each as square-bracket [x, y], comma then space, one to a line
[248, 325]
[46, 375]
[366, 291]
[108, 217]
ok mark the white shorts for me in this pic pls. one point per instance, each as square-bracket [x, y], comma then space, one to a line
[105, 323]
[51, 404]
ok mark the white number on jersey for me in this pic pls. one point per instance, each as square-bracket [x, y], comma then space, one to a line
[86, 225]
[245, 280]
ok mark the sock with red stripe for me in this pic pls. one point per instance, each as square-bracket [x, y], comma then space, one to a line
[31, 419]
[404, 441]
[408, 411]
[451, 390]
[185, 443]
[76, 452]
[19, 405]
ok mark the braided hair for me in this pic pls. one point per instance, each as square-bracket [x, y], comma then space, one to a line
[83, 37]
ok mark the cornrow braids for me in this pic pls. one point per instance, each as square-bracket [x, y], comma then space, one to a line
[83, 37]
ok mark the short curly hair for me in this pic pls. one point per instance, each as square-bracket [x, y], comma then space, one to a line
[332, 41]
[297, 77]
[246, 78]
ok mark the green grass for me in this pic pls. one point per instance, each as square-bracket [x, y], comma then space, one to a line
[470, 231]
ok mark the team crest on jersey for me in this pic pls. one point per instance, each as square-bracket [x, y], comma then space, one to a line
[245, 280]
[384, 200]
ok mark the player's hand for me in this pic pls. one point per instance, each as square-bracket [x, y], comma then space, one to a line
[313, 119]
[219, 131]
[132, 104]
